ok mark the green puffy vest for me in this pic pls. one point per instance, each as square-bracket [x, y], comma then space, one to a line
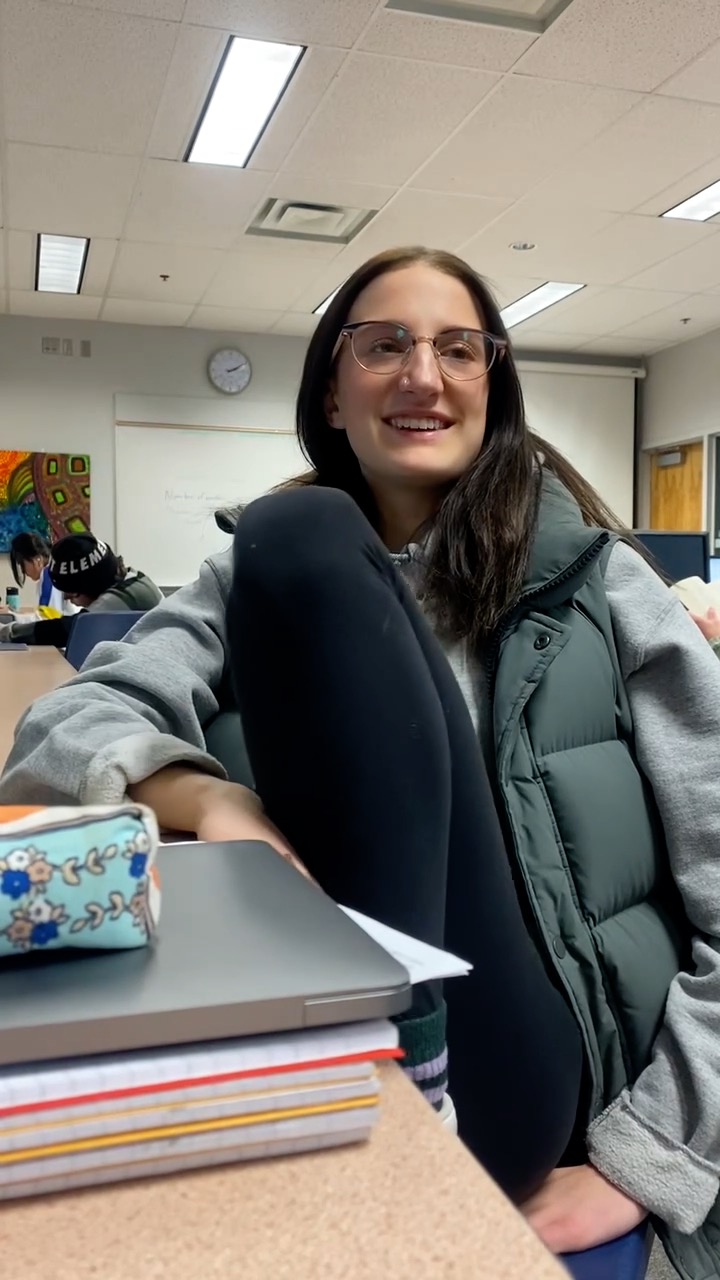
[588, 841]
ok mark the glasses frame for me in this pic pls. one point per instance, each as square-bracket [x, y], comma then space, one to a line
[499, 348]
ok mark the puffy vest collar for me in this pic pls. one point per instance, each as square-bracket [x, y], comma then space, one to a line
[563, 550]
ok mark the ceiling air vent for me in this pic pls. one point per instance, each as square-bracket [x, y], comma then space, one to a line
[297, 220]
[534, 16]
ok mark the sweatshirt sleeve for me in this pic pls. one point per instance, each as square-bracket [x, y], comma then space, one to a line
[660, 1140]
[139, 704]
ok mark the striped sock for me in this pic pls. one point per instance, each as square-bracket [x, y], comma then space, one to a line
[426, 1055]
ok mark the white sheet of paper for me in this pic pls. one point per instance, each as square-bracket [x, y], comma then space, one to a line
[423, 962]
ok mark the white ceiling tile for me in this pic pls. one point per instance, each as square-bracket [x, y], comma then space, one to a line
[169, 10]
[606, 256]
[383, 117]
[629, 245]
[700, 310]
[75, 77]
[524, 129]
[296, 324]
[659, 142]
[461, 44]
[195, 59]
[426, 217]
[100, 259]
[68, 192]
[596, 311]
[627, 45]
[261, 281]
[61, 306]
[332, 22]
[139, 267]
[21, 251]
[325, 282]
[126, 311]
[233, 319]
[699, 80]
[310, 82]
[531, 339]
[693, 270]
[193, 204]
[554, 232]
[613, 346]
[286, 248]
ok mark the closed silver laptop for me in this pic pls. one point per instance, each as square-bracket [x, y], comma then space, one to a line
[246, 946]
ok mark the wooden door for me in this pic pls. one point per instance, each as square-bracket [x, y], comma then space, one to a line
[676, 488]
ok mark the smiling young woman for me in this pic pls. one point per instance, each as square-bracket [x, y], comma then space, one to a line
[473, 710]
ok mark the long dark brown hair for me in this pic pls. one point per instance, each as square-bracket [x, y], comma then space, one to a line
[483, 530]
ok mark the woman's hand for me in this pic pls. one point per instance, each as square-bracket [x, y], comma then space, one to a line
[576, 1208]
[233, 812]
[186, 799]
[709, 624]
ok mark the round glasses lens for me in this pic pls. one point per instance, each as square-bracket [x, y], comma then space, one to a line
[465, 353]
[381, 348]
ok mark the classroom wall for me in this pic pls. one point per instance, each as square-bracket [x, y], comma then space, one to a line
[680, 401]
[66, 402]
[681, 394]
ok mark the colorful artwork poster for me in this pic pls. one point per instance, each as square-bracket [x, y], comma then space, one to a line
[45, 493]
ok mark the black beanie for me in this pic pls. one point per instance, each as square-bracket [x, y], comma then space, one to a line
[81, 565]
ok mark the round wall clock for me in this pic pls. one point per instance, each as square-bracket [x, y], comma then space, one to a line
[229, 371]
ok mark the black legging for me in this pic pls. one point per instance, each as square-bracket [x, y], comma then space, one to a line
[365, 756]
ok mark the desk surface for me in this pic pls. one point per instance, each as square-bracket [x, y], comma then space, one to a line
[25, 675]
[411, 1204]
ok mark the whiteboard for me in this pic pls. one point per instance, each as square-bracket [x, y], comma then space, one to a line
[171, 480]
[591, 419]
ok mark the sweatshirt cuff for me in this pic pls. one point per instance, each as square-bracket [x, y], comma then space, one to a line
[136, 757]
[669, 1180]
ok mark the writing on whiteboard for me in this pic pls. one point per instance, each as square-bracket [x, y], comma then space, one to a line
[196, 504]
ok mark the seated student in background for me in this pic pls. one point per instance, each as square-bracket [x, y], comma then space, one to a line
[709, 624]
[92, 578]
[30, 558]
[441, 618]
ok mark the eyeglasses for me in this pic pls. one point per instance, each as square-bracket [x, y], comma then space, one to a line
[383, 347]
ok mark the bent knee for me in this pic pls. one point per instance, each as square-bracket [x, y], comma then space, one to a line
[303, 526]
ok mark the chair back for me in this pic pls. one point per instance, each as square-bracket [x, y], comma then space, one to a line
[623, 1259]
[89, 629]
[225, 740]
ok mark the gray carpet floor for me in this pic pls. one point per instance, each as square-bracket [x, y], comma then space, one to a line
[660, 1268]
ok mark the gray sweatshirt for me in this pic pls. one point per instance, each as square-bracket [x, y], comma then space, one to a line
[141, 703]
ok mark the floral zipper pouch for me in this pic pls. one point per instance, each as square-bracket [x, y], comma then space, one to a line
[78, 877]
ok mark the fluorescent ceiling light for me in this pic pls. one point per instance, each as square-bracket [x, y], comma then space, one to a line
[539, 300]
[322, 308]
[699, 208]
[60, 263]
[250, 82]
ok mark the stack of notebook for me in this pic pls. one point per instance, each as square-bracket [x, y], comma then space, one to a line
[207, 1047]
[117, 1116]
